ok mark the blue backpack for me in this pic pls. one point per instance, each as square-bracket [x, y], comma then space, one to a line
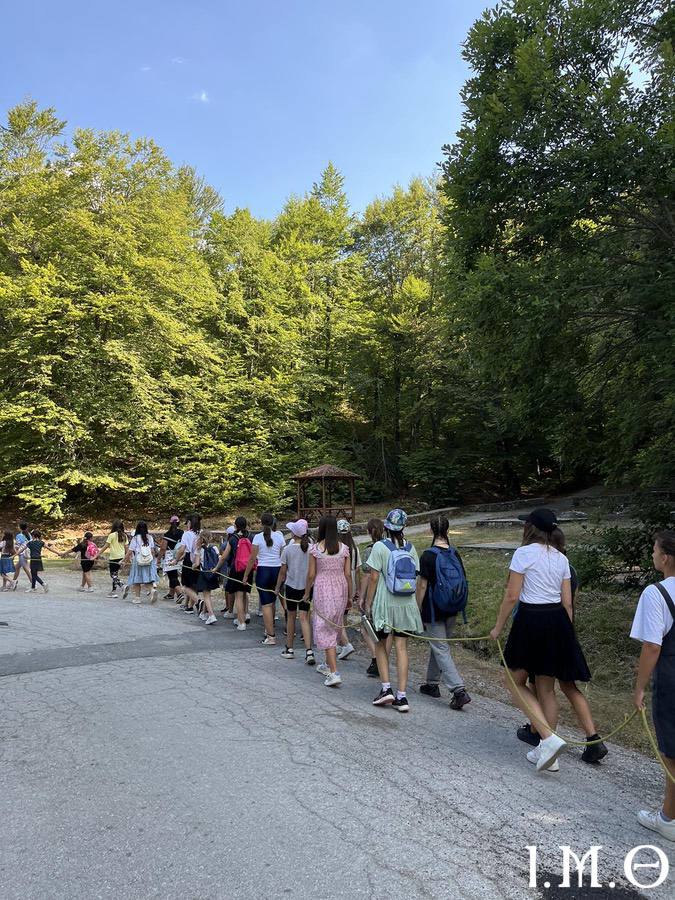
[401, 574]
[209, 558]
[450, 594]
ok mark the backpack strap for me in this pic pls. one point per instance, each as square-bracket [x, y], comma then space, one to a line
[666, 596]
[388, 544]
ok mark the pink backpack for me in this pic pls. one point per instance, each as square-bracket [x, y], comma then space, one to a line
[92, 550]
[243, 554]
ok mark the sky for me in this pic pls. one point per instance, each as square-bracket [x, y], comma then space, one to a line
[258, 96]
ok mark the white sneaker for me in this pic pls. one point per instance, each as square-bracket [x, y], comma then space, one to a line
[333, 680]
[210, 620]
[45, 588]
[89, 590]
[136, 600]
[269, 641]
[228, 615]
[549, 751]
[125, 592]
[654, 821]
[203, 616]
[15, 585]
[345, 651]
[79, 590]
[241, 627]
[323, 669]
[29, 591]
[533, 757]
[153, 595]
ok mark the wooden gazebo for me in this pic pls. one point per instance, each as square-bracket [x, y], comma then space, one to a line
[325, 477]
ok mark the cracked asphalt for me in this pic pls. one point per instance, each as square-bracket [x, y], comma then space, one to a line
[146, 756]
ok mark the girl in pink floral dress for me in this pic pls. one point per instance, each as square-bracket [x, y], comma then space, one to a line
[330, 575]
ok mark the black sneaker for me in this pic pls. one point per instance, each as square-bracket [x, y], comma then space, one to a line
[459, 699]
[401, 705]
[527, 735]
[384, 698]
[595, 752]
[309, 658]
[288, 653]
[431, 690]
[372, 671]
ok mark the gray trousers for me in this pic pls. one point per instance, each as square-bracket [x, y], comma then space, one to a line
[441, 664]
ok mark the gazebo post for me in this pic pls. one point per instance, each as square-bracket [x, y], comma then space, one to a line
[353, 498]
[323, 496]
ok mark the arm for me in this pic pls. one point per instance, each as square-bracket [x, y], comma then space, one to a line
[567, 598]
[422, 585]
[511, 596]
[281, 577]
[371, 587]
[348, 576]
[311, 578]
[646, 664]
[251, 561]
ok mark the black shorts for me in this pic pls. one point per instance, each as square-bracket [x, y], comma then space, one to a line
[383, 635]
[188, 576]
[294, 601]
[234, 584]
[87, 564]
[172, 575]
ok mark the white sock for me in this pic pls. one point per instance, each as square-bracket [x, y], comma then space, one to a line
[386, 685]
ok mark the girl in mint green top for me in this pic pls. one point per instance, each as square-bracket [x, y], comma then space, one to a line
[391, 613]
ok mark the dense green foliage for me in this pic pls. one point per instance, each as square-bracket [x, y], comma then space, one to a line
[473, 339]
[561, 217]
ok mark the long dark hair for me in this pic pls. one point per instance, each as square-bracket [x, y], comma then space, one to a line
[439, 527]
[23, 527]
[328, 533]
[142, 529]
[268, 522]
[8, 538]
[241, 526]
[118, 526]
[396, 536]
[347, 539]
[194, 522]
[375, 528]
[558, 541]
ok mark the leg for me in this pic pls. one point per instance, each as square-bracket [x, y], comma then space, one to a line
[137, 593]
[33, 578]
[669, 800]
[268, 618]
[290, 627]
[441, 663]
[547, 699]
[207, 602]
[331, 658]
[240, 607]
[401, 662]
[526, 700]
[306, 629]
[580, 705]
[382, 649]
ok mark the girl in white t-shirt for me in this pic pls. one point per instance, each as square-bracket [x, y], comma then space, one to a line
[266, 553]
[542, 641]
[654, 625]
[142, 555]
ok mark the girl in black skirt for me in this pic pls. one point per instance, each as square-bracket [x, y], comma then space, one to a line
[542, 641]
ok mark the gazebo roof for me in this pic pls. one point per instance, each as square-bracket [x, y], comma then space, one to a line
[325, 471]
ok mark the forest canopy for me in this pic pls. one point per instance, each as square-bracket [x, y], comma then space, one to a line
[506, 324]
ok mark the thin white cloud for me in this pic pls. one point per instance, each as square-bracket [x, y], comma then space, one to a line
[178, 60]
[201, 97]
[146, 68]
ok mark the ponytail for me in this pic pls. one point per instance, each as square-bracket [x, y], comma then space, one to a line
[304, 543]
[267, 521]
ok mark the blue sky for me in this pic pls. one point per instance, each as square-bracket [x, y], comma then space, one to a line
[257, 95]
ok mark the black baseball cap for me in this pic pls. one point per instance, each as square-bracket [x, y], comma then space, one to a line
[543, 519]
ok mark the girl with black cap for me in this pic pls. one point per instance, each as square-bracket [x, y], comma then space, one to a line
[542, 641]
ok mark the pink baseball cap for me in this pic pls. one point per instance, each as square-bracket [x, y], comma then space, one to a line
[174, 519]
[299, 528]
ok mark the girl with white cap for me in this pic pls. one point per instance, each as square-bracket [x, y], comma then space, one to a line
[392, 605]
[293, 572]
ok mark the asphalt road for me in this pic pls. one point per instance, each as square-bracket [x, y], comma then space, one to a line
[146, 756]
